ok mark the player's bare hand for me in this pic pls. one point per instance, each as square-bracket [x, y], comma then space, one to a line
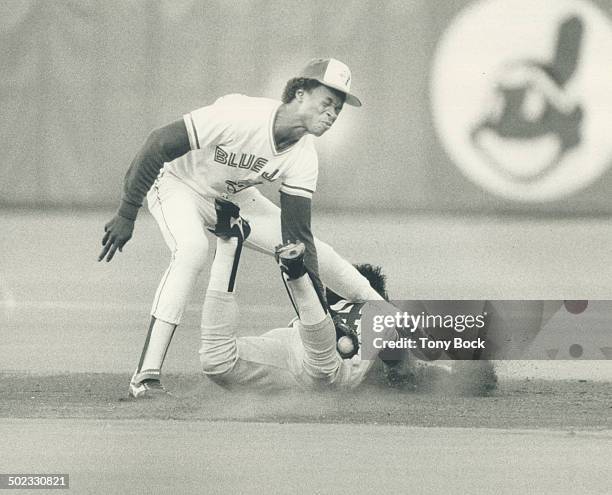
[116, 234]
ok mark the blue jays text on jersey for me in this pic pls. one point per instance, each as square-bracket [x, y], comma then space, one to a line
[246, 161]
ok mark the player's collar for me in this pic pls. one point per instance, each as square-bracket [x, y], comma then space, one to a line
[275, 151]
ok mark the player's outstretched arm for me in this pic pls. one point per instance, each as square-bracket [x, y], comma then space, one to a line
[162, 145]
[296, 227]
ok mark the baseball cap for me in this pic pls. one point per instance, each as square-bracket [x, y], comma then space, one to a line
[332, 73]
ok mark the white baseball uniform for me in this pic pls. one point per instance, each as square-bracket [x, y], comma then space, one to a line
[233, 150]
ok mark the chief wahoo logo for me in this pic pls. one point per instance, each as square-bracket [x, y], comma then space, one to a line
[531, 107]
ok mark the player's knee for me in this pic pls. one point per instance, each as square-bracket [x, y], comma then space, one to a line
[322, 371]
[214, 367]
[217, 362]
[192, 254]
[317, 378]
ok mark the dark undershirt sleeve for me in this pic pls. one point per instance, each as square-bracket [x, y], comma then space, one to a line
[296, 226]
[162, 145]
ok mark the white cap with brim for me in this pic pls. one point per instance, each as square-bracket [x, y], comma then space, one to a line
[332, 73]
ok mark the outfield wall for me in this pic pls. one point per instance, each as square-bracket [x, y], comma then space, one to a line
[84, 82]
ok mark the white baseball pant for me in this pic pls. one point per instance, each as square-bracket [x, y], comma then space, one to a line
[183, 216]
[303, 356]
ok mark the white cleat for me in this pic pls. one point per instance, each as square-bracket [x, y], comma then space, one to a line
[147, 386]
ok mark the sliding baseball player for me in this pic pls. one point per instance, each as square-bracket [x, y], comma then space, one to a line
[310, 354]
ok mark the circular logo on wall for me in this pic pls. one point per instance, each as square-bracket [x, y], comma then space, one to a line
[521, 94]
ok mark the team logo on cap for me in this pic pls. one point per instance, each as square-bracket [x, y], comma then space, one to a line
[338, 74]
[521, 95]
[346, 76]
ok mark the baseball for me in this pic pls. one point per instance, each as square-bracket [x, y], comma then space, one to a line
[345, 345]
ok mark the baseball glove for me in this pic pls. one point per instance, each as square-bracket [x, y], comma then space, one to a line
[343, 330]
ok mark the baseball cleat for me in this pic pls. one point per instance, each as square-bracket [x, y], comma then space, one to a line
[229, 222]
[142, 386]
[290, 258]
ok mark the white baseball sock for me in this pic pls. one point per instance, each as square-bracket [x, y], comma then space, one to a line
[218, 350]
[156, 347]
[305, 297]
[224, 265]
[319, 340]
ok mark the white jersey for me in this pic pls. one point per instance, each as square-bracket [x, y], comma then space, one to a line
[233, 148]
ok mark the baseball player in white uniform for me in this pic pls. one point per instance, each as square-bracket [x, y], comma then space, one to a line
[225, 150]
[304, 355]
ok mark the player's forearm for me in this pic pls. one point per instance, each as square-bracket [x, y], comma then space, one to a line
[311, 260]
[296, 226]
[163, 145]
[140, 177]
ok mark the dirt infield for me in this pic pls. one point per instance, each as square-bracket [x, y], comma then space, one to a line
[564, 405]
[529, 436]
[72, 331]
[73, 328]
